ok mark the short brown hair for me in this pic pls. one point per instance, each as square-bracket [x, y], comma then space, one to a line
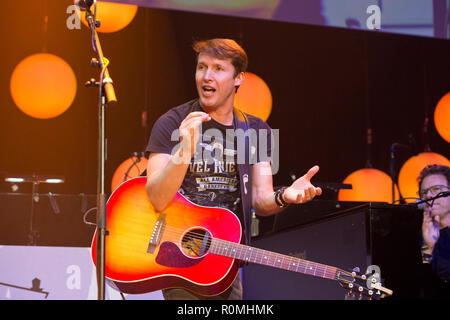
[434, 169]
[224, 49]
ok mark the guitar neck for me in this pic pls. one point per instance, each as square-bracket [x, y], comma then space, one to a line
[272, 259]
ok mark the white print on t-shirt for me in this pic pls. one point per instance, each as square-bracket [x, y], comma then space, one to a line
[213, 150]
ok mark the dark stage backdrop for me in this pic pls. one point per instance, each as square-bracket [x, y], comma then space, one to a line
[328, 86]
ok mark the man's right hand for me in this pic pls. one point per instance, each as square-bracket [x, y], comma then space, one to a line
[190, 133]
[430, 228]
[165, 172]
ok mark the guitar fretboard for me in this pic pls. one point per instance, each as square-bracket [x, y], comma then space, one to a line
[272, 259]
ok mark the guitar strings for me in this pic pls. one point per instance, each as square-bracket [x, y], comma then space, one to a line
[200, 236]
[221, 244]
[177, 233]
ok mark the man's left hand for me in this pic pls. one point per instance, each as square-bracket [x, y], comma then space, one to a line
[302, 190]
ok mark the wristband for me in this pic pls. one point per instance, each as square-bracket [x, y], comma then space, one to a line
[279, 198]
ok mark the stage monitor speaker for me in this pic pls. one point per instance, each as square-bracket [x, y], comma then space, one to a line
[370, 234]
[57, 219]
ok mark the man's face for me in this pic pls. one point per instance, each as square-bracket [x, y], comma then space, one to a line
[441, 206]
[215, 81]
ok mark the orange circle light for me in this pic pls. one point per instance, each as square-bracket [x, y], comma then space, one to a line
[442, 117]
[121, 171]
[254, 97]
[43, 85]
[368, 185]
[112, 16]
[410, 171]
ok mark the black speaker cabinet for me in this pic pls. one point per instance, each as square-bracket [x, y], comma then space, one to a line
[361, 235]
[56, 219]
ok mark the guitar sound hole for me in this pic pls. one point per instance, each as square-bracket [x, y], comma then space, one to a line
[196, 243]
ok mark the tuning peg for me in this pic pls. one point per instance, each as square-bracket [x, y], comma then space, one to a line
[355, 271]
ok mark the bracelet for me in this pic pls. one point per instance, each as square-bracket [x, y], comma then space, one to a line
[276, 199]
[279, 198]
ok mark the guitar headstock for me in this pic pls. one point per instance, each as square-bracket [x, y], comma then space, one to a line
[363, 286]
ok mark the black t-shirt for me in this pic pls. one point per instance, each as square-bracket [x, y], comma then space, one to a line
[212, 178]
[441, 255]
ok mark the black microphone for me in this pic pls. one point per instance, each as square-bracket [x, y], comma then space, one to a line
[444, 194]
[421, 203]
[84, 5]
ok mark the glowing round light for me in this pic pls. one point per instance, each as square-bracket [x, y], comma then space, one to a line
[410, 171]
[368, 185]
[112, 16]
[254, 97]
[43, 85]
[442, 117]
[135, 171]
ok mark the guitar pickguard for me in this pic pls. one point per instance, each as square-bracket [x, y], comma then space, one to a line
[169, 255]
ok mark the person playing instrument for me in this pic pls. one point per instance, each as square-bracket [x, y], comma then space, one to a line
[198, 149]
[433, 180]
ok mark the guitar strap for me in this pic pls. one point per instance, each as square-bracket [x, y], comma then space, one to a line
[241, 122]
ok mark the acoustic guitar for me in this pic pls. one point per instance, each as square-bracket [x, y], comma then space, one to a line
[194, 247]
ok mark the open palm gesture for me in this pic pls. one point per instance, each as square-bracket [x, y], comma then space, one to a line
[302, 190]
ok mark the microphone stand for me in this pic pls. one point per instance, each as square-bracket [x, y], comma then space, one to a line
[106, 97]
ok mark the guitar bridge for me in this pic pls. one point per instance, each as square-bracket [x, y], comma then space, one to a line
[157, 233]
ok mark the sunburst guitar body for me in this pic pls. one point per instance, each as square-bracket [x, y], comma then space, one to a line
[146, 250]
